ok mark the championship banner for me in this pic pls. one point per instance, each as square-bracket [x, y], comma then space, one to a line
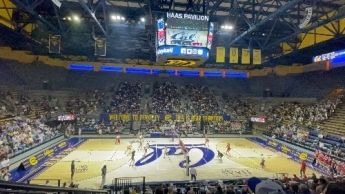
[245, 56]
[54, 43]
[220, 55]
[256, 57]
[101, 47]
[161, 117]
[233, 55]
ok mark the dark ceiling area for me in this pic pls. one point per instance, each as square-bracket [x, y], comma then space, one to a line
[130, 25]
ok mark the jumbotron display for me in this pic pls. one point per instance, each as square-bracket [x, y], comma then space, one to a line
[185, 37]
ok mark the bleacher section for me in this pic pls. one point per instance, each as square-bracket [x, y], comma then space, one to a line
[312, 84]
[336, 123]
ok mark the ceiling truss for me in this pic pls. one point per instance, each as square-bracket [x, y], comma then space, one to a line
[260, 24]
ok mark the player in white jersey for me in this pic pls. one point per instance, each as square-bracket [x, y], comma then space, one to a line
[140, 137]
[166, 152]
[145, 149]
[173, 136]
[129, 149]
[140, 145]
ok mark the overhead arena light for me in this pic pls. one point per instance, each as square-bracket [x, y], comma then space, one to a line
[227, 27]
[76, 18]
[142, 19]
[117, 17]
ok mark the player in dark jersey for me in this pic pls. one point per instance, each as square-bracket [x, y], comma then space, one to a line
[72, 169]
[220, 154]
[132, 158]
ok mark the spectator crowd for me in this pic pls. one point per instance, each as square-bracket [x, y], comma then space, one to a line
[242, 107]
[87, 103]
[126, 99]
[166, 99]
[20, 134]
[281, 185]
[203, 100]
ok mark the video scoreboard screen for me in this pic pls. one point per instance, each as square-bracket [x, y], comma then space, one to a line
[183, 37]
[187, 30]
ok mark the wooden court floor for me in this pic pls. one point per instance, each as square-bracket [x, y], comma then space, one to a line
[94, 153]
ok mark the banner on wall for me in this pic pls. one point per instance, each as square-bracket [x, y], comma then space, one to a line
[256, 57]
[293, 153]
[220, 55]
[101, 47]
[38, 162]
[245, 56]
[233, 55]
[54, 43]
[165, 117]
[38, 158]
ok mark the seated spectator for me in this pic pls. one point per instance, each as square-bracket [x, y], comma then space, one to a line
[20, 134]
[95, 125]
[127, 99]
[227, 126]
[166, 99]
[178, 127]
[242, 107]
[88, 103]
[203, 100]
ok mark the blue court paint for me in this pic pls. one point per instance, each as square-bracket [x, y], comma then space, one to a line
[158, 149]
[149, 157]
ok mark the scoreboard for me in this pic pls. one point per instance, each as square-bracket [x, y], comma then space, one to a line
[183, 36]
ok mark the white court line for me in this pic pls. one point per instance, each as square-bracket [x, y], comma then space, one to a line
[156, 156]
[109, 157]
[247, 158]
[206, 163]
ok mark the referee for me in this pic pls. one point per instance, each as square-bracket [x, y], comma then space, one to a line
[193, 173]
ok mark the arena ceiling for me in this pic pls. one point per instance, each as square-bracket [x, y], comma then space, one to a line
[129, 25]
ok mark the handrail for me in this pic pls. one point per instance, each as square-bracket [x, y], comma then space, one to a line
[32, 187]
[4, 191]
